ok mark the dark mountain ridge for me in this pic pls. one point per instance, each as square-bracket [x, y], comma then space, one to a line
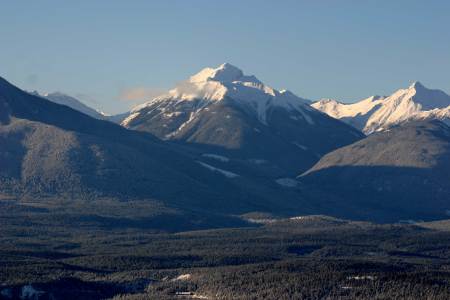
[51, 149]
[400, 173]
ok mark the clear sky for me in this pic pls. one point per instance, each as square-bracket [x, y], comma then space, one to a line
[112, 54]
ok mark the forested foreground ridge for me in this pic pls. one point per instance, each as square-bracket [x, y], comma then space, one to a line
[309, 257]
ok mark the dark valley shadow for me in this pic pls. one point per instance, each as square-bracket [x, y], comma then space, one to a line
[380, 193]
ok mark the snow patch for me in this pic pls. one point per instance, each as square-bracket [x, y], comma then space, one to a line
[362, 277]
[287, 182]
[300, 146]
[346, 287]
[172, 114]
[130, 118]
[298, 218]
[197, 296]
[216, 157]
[227, 174]
[183, 277]
[261, 221]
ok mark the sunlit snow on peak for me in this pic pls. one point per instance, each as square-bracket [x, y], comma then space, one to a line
[224, 73]
[229, 82]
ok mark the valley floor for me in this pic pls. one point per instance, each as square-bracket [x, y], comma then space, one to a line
[313, 257]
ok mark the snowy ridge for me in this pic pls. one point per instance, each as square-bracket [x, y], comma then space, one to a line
[129, 118]
[216, 157]
[71, 102]
[225, 173]
[379, 113]
[225, 82]
[340, 110]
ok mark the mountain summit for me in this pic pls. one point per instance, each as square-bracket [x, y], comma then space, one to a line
[227, 81]
[225, 73]
[236, 115]
[379, 113]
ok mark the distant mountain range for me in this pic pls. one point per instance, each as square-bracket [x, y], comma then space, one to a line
[378, 113]
[51, 151]
[223, 144]
[218, 85]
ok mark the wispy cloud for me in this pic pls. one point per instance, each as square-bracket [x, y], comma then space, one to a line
[140, 94]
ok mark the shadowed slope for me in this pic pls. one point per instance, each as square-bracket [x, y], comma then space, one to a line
[49, 149]
[401, 173]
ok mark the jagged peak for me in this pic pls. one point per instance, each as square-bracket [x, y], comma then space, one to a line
[226, 72]
[417, 85]
[228, 82]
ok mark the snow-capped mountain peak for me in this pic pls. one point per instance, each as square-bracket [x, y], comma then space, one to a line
[374, 114]
[224, 82]
[224, 73]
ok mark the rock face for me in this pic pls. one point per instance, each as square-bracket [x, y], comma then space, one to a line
[379, 113]
[401, 172]
[225, 112]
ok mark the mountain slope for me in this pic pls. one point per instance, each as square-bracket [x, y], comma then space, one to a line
[71, 102]
[81, 169]
[379, 113]
[51, 150]
[395, 174]
[76, 104]
[222, 111]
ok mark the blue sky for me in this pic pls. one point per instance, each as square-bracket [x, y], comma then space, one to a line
[103, 51]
